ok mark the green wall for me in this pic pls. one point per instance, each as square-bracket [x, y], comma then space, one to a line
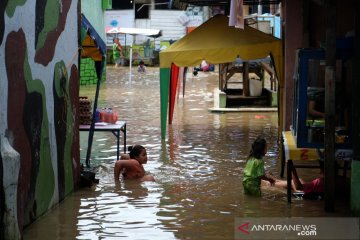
[93, 11]
[88, 73]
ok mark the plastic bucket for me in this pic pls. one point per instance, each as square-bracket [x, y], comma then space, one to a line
[255, 87]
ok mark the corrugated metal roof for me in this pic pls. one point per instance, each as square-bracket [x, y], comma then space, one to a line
[225, 2]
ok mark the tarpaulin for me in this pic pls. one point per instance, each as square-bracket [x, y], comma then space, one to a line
[216, 42]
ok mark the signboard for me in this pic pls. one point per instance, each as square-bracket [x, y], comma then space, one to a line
[118, 19]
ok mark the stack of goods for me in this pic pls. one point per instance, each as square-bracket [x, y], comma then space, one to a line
[85, 111]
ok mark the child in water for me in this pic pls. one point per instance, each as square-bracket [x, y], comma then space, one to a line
[254, 170]
[315, 188]
[131, 166]
[308, 189]
[142, 67]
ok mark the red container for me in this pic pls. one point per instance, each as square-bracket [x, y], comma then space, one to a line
[114, 117]
[108, 116]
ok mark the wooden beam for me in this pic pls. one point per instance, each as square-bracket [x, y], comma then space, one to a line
[329, 141]
[229, 75]
[246, 87]
[267, 68]
[271, 72]
[319, 2]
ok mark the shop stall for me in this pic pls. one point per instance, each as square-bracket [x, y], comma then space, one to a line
[303, 144]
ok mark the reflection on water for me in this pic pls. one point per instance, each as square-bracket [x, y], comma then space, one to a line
[198, 168]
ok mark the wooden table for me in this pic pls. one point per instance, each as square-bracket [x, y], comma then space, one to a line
[109, 127]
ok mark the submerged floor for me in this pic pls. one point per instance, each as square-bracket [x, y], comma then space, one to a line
[198, 191]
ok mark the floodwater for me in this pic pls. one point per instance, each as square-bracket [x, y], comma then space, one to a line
[198, 191]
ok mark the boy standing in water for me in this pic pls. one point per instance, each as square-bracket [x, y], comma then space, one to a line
[254, 170]
[132, 168]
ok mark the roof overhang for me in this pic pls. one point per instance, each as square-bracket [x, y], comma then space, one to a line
[135, 31]
[91, 43]
[227, 2]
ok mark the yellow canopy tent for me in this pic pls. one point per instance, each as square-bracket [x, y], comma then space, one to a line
[217, 43]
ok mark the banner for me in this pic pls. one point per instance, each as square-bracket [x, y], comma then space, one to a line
[297, 228]
[114, 20]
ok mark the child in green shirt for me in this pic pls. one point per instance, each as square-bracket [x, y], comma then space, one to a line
[117, 52]
[254, 170]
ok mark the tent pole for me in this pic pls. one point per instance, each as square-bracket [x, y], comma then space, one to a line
[164, 98]
[130, 62]
[152, 53]
[99, 70]
[125, 46]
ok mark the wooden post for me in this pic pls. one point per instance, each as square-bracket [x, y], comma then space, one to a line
[221, 76]
[227, 8]
[329, 142]
[289, 170]
[356, 86]
[306, 23]
[355, 178]
[246, 90]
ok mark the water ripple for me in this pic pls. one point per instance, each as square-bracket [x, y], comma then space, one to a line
[198, 168]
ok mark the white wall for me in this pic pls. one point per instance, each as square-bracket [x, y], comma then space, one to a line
[172, 23]
[168, 22]
[142, 23]
[165, 20]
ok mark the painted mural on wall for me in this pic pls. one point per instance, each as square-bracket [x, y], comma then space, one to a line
[39, 160]
[192, 17]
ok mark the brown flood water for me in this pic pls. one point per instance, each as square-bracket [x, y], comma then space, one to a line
[198, 169]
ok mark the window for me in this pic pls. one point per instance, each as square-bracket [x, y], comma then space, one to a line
[265, 8]
[161, 4]
[122, 4]
[309, 100]
[141, 11]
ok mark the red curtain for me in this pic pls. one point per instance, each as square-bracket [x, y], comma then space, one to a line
[174, 77]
